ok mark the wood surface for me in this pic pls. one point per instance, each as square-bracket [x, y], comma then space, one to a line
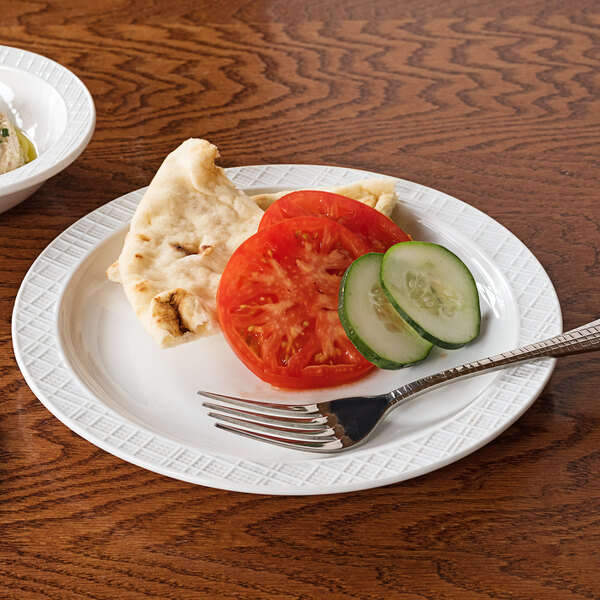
[496, 103]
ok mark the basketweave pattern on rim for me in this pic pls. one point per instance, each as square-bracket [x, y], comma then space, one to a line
[512, 392]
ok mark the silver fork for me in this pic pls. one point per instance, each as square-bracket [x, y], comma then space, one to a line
[338, 425]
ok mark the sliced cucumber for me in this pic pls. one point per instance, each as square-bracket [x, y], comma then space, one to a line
[434, 291]
[370, 321]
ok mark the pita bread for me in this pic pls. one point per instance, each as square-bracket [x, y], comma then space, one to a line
[187, 225]
[377, 193]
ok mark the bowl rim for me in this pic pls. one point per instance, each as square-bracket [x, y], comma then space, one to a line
[81, 119]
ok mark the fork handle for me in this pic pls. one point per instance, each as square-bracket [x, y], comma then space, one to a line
[576, 341]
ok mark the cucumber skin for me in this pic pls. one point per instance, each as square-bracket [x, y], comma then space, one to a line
[364, 349]
[422, 332]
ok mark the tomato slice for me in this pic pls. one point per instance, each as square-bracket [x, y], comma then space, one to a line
[277, 303]
[375, 229]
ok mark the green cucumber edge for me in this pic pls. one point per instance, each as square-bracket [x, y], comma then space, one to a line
[357, 341]
[422, 332]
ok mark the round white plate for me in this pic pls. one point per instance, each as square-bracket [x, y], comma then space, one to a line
[85, 356]
[53, 107]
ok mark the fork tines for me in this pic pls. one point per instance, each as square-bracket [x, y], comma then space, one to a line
[298, 427]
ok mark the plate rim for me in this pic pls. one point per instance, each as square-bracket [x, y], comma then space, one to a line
[81, 118]
[268, 486]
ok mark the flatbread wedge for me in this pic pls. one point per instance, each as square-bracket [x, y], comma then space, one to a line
[378, 193]
[187, 225]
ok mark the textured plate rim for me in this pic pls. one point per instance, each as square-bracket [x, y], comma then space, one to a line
[515, 389]
[81, 119]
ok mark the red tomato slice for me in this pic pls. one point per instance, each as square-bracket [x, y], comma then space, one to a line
[374, 228]
[277, 304]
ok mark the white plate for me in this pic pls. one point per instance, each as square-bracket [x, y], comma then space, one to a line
[53, 107]
[88, 360]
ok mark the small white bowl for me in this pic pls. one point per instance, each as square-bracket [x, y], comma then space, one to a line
[54, 109]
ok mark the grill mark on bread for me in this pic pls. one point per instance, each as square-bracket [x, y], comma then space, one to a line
[189, 249]
[173, 310]
[174, 303]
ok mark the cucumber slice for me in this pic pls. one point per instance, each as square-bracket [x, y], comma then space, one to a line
[370, 321]
[434, 291]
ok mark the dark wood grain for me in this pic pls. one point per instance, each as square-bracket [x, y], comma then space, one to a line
[495, 103]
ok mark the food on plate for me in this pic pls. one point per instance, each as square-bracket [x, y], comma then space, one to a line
[313, 292]
[15, 149]
[184, 230]
[395, 306]
[372, 323]
[434, 291]
[376, 230]
[378, 193]
[182, 234]
[277, 303]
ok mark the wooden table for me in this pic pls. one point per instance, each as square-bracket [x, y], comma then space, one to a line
[495, 103]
